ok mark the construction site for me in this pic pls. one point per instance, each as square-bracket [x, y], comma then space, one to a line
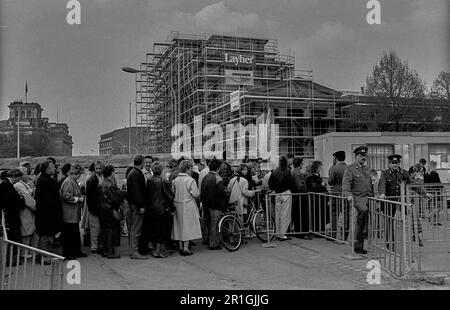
[194, 75]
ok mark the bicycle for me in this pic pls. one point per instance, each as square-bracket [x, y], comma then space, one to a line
[233, 229]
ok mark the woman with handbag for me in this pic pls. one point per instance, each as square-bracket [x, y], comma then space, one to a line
[72, 202]
[110, 212]
[158, 215]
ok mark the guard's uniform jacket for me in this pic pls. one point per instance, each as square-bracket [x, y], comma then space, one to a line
[357, 183]
[390, 181]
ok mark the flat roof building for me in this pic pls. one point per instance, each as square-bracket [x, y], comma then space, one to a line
[117, 142]
[412, 146]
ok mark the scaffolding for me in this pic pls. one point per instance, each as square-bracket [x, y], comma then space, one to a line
[187, 76]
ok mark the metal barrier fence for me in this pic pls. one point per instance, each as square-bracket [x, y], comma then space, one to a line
[27, 268]
[390, 235]
[431, 224]
[320, 214]
[404, 233]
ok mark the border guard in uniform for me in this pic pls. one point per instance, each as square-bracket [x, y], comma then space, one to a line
[389, 188]
[357, 187]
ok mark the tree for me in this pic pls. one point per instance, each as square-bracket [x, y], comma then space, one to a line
[40, 143]
[9, 150]
[397, 85]
[441, 86]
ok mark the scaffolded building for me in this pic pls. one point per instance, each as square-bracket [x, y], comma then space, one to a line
[195, 75]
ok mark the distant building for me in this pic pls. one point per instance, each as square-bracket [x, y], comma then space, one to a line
[116, 142]
[39, 137]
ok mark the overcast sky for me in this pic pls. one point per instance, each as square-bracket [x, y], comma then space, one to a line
[77, 67]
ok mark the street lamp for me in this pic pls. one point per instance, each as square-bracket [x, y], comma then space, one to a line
[174, 95]
[133, 70]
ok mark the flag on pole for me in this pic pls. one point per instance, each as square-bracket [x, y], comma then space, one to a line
[26, 87]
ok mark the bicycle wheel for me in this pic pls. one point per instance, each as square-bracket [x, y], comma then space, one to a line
[260, 226]
[230, 230]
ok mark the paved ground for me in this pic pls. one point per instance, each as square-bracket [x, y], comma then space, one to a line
[295, 264]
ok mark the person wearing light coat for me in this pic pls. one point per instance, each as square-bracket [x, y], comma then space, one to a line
[27, 218]
[241, 193]
[186, 220]
[72, 202]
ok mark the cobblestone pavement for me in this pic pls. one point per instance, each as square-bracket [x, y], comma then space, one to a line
[295, 264]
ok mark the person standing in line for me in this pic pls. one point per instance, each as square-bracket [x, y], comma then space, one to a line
[315, 184]
[64, 173]
[239, 190]
[282, 183]
[137, 200]
[72, 202]
[225, 170]
[195, 173]
[48, 207]
[300, 209]
[174, 171]
[357, 188]
[437, 190]
[27, 217]
[290, 159]
[213, 199]
[125, 222]
[419, 168]
[159, 211]
[93, 207]
[29, 172]
[85, 212]
[110, 199]
[186, 224]
[147, 170]
[335, 176]
[12, 203]
[204, 172]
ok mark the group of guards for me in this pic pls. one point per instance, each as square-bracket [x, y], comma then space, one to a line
[357, 186]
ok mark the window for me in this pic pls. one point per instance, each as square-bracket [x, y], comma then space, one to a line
[377, 155]
[440, 153]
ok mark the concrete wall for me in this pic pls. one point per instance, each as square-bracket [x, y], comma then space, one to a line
[325, 145]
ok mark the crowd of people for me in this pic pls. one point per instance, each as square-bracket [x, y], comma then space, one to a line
[163, 209]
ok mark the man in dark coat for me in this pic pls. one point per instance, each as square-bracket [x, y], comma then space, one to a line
[12, 203]
[93, 205]
[432, 181]
[335, 176]
[213, 198]
[136, 197]
[48, 206]
[300, 208]
[389, 188]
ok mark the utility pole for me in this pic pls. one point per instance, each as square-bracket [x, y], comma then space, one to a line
[129, 129]
[18, 133]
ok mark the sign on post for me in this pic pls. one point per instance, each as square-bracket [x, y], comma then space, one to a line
[234, 100]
